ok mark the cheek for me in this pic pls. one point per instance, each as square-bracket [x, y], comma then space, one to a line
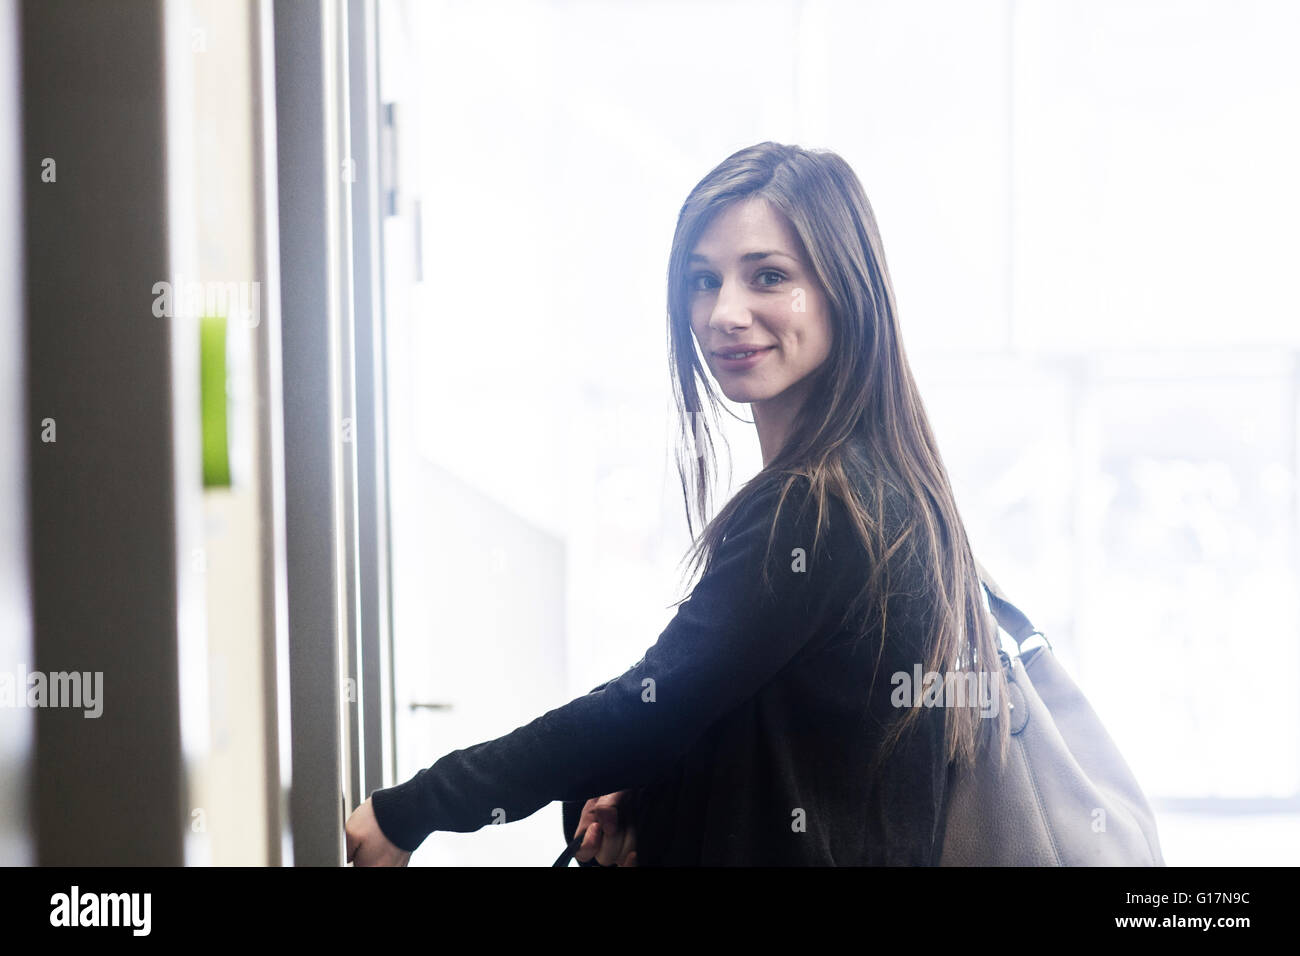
[808, 334]
[827, 338]
[695, 326]
[698, 315]
[821, 334]
[697, 337]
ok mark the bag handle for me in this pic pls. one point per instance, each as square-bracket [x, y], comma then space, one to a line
[570, 850]
[1009, 617]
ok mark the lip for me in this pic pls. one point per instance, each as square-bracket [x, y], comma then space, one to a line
[737, 365]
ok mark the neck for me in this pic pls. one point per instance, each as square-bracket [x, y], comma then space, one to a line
[774, 419]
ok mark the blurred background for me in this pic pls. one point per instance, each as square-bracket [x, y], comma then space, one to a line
[396, 475]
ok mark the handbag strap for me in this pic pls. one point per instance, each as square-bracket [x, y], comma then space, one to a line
[1009, 617]
[570, 850]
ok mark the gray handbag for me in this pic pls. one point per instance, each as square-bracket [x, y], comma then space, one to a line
[1065, 796]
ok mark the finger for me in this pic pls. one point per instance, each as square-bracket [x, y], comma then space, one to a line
[627, 848]
[608, 819]
[585, 818]
[584, 824]
[613, 846]
[607, 855]
[591, 842]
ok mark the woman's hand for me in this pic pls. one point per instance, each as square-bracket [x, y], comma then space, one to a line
[610, 843]
[366, 843]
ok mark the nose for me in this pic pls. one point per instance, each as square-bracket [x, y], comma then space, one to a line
[730, 311]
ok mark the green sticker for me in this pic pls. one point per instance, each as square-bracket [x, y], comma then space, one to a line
[212, 375]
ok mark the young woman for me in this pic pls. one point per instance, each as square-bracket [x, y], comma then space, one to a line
[775, 721]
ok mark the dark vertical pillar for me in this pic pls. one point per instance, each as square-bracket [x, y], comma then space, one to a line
[306, 182]
[99, 428]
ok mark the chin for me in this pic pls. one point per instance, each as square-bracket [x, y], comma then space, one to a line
[744, 395]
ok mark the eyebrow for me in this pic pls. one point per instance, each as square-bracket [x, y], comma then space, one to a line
[747, 257]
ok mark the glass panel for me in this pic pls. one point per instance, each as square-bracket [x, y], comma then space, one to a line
[1188, 626]
[1155, 197]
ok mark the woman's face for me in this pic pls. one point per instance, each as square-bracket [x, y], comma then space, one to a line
[751, 287]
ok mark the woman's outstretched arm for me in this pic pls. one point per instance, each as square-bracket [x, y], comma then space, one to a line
[726, 642]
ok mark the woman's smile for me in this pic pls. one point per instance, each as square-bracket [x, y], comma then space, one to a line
[737, 359]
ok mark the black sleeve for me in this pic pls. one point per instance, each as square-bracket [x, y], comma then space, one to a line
[571, 810]
[727, 640]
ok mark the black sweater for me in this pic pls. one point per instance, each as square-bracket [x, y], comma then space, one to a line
[746, 729]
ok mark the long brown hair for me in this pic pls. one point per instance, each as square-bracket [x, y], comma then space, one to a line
[864, 391]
